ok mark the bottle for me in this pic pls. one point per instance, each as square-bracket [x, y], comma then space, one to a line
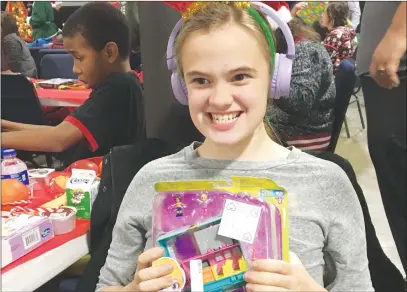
[2, 149]
[12, 167]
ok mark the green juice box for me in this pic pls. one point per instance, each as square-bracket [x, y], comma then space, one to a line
[81, 191]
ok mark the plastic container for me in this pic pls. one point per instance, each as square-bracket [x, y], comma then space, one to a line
[13, 168]
[63, 220]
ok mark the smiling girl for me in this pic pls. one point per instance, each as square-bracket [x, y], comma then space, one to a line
[223, 60]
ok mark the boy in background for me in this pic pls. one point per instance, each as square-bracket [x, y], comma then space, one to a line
[97, 36]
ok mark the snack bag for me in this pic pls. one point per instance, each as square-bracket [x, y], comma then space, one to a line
[213, 231]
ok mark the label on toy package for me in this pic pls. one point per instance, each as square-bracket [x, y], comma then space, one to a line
[178, 274]
[195, 267]
[239, 221]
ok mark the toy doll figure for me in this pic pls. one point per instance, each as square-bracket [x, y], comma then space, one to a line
[179, 206]
[204, 202]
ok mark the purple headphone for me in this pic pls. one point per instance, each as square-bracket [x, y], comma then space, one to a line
[280, 81]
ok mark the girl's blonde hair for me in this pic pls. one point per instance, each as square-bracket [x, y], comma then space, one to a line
[215, 16]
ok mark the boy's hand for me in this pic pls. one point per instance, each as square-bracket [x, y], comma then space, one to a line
[6, 126]
[276, 275]
[148, 278]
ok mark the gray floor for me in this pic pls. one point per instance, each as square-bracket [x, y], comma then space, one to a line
[355, 149]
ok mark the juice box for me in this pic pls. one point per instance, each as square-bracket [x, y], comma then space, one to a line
[81, 191]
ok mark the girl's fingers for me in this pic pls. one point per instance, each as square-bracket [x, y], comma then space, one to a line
[272, 266]
[154, 272]
[156, 284]
[268, 279]
[146, 258]
[261, 288]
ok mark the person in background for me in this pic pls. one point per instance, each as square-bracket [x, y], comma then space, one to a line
[42, 20]
[354, 13]
[304, 118]
[114, 113]
[283, 11]
[339, 40]
[15, 55]
[135, 56]
[381, 65]
[298, 6]
[56, 7]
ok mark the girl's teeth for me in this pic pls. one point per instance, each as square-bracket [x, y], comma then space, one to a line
[224, 119]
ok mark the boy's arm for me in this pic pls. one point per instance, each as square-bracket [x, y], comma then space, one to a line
[44, 139]
[8, 126]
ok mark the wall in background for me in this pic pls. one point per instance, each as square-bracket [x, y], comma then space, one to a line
[166, 119]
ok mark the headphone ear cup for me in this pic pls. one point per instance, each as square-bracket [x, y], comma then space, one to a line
[274, 77]
[281, 81]
[179, 89]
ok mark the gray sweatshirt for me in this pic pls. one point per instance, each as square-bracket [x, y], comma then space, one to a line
[326, 226]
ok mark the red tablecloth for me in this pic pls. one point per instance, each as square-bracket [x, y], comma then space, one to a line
[76, 96]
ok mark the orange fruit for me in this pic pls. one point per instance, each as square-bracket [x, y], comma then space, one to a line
[13, 190]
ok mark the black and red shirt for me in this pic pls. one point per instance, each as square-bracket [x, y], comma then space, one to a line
[113, 115]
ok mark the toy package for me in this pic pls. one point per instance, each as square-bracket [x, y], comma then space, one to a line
[211, 231]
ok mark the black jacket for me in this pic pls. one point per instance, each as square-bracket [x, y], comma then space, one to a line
[119, 168]
[385, 275]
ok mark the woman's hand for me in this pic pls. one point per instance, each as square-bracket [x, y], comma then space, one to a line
[148, 278]
[276, 275]
[298, 7]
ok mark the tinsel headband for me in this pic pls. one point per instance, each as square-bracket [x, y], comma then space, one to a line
[188, 9]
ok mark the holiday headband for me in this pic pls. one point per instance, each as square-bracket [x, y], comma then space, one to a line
[188, 9]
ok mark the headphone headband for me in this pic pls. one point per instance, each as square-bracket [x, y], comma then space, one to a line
[263, 8]
[281, 63]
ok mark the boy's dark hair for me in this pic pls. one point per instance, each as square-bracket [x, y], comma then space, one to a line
[338, 13]
[8, 24]
[100, 23]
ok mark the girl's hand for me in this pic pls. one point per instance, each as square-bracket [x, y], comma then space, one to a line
[298, 7]
[148, 278]
[276, 275]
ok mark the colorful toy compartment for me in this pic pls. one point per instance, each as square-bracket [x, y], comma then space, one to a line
[223, 262]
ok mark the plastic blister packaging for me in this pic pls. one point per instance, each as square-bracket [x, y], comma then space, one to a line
[187, 224]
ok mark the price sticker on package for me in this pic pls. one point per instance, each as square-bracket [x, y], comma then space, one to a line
[239, 221]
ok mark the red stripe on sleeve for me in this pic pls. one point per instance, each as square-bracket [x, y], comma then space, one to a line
[88, 135]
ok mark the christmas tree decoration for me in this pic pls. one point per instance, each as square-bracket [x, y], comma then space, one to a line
[20, 13]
